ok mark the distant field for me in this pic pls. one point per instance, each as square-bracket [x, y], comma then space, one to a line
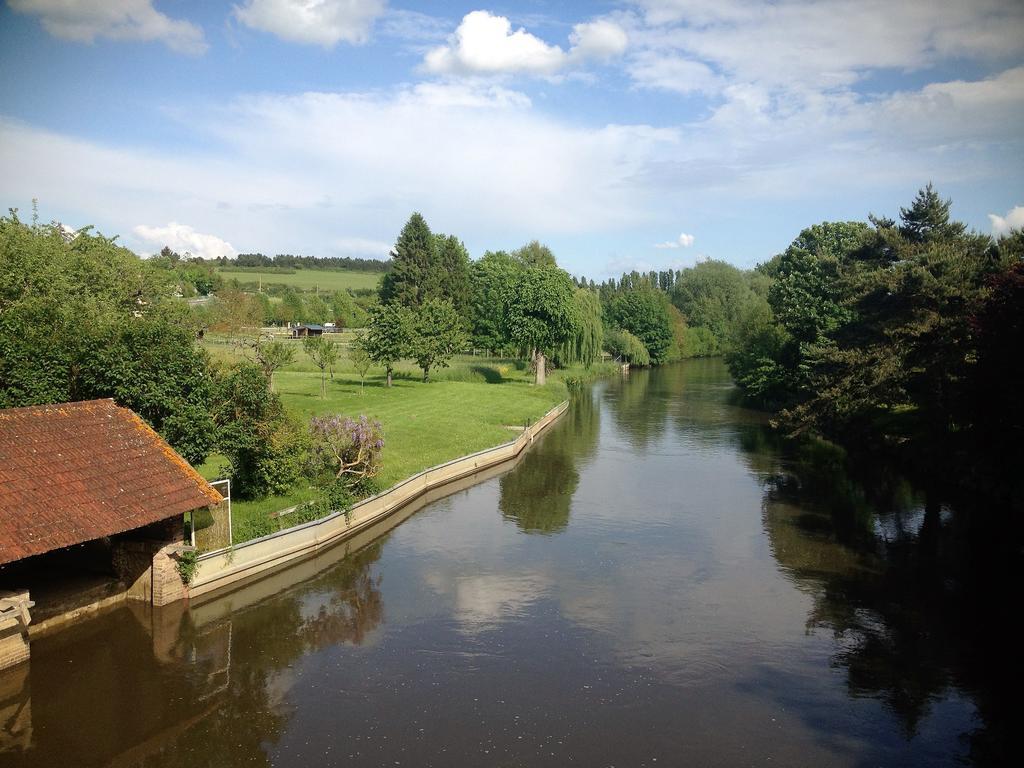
[305, 279]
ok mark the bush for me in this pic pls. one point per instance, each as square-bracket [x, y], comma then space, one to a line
[268, 451]
[345, 449]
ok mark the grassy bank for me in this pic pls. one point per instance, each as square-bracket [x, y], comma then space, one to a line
[473, 405]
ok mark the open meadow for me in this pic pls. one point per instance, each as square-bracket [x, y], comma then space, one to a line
[474, 404]
[326, 280]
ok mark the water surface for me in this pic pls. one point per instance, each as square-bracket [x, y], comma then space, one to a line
[658, 582]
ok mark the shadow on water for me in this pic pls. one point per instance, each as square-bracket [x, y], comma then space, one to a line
[893, 579]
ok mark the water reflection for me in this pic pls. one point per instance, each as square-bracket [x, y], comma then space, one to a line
[721, 597]
[538, 494]
[885, 567]
[144, 686]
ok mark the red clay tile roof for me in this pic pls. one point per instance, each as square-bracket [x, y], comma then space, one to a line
[74, 472]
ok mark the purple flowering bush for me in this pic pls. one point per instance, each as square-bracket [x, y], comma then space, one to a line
[345, 449]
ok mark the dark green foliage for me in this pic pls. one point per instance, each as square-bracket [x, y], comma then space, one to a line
[437, 333]
[85, 319]
[644, 313]
[903, 336]
[927, 218]
[453, 262]
[267, 450]
[489, 277]
[415, 274]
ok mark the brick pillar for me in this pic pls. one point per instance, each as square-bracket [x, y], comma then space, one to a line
[167, 584]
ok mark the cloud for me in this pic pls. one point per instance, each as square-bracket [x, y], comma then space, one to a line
[86, 20]
[1002, 225]
[312, 22]
[600, 39]
[828, 43]
[183, 239]
[672, 73]
[479, 161]
[683, 241]
[485, 44]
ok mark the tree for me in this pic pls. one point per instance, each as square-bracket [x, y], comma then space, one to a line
[927, 218]
[387, 336]
[453, 262]
[644, 313]
[806, 295]
[85, 319]
[324, 354]
[585, 343]
[415, 274]
[490, 276]
[267, 450]
[344, 448]
[539, 312]
[437, 334]
[272, 355]
[344, 311]
[535, 254]
[360, 358]
[711, 295]
[625, 345]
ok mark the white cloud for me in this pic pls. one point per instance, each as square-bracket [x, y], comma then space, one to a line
[672, 73]
[600, 39]
[683, 241]
[296, 172]
[827, 43]
[1014, 219]
[314, 22]
[86, 20]
[485, 44]
[183, 239]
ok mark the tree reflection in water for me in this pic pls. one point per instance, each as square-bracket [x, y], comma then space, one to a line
[892, 578]
[201, 694]
[537, 494]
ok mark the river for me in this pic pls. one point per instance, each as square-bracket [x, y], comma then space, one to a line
[660, 581]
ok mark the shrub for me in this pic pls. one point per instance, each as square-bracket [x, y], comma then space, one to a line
[345, 449]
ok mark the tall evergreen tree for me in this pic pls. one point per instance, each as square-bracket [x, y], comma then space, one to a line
[453, 261]
[416, 274]
[927, 218]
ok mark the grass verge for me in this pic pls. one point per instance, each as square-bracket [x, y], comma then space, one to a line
[465, 408]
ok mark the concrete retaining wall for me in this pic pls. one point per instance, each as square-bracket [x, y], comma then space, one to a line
[226, 567]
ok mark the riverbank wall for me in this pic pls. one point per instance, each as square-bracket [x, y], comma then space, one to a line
[231, 566]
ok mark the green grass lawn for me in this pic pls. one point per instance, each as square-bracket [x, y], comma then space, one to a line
[465, 408]
[328, 280]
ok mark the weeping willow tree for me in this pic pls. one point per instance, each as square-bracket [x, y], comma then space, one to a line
[583, 346]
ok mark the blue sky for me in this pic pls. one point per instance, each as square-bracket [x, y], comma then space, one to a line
[646, 134]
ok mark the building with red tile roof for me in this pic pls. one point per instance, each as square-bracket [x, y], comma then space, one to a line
[74, 472]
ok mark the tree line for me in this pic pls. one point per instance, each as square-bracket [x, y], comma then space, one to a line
[897, 336]
[288, 261]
